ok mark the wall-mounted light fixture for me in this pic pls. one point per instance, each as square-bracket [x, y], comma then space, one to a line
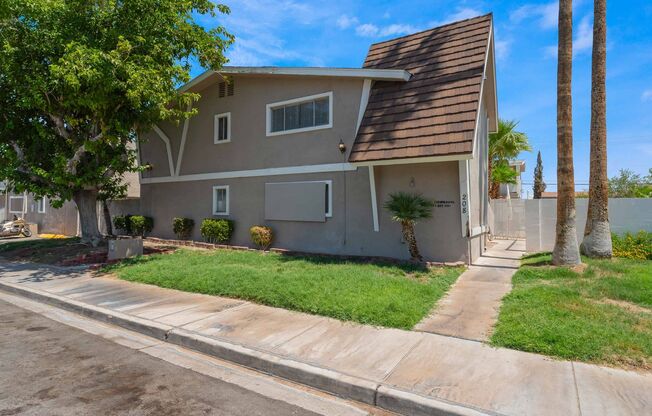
[341, 146]
[412, 183]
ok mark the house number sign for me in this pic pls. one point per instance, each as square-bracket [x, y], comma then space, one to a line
[444, 204]
[465, 204]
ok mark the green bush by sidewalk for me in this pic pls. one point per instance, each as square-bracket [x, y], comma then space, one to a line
[216, 230]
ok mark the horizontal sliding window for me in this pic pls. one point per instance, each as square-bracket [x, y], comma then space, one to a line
[301, 114]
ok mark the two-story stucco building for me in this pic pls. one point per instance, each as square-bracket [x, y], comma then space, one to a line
[315, 152]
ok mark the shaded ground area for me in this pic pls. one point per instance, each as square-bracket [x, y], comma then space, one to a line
[50, 368]
[63, 251]
[385, 294]
[601, 315]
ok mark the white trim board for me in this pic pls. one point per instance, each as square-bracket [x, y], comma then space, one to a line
[184, 134]
[408, 161]
[364, 100]
[288, 170]
[168, 147]
[481, 96]
[374, 200]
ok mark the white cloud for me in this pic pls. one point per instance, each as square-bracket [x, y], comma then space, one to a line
[461, 14]
[367, 30]
[344, 21]
[258, 24]
[584, 38]
[502, 48]
[646, 96]
[370, 30]
[582, 42]
[546, 15]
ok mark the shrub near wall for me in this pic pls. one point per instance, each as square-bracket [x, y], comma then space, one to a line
[216, 230]
[182, 227]
[633, 246]
[141, 225]
[261, 236]
[122, 223]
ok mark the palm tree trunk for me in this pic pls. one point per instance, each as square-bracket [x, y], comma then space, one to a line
[494, 188]
[566, 251]
[411, 239]
[597, 233]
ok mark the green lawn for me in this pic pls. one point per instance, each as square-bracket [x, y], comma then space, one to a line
[379, 294]
[603, 315]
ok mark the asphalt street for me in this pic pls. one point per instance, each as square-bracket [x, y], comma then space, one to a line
[48, 368]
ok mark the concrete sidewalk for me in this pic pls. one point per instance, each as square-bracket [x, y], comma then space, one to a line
[403, 371]
[470, 309]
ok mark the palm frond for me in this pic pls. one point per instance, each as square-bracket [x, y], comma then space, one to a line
[409, 207]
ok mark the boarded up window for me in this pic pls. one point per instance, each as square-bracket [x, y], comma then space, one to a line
[296, 201]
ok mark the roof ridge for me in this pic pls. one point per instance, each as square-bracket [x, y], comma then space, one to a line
[431, 29]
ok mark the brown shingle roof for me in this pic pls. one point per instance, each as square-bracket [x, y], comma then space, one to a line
[434, 113]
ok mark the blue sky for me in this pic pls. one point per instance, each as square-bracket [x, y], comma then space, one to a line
[338, 33]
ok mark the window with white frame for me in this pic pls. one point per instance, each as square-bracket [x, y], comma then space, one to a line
[301, 114]
[16, 204]
[222, 128]
[221, 200]
[40, 205]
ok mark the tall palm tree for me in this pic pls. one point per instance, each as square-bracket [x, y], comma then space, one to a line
[566, 251]
[407, 209]
[597, 233]
[504, 145]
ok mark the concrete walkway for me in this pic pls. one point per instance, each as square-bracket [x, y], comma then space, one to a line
[403, 371]
[470, 309]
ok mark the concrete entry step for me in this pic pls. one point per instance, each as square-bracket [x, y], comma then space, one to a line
[470, 308]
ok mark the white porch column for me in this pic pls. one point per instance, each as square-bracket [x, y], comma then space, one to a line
[465, 199]
[374, 201]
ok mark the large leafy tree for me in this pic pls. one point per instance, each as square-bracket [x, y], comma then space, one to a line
[407, 209]
[566, 250]
[79, 79]
[504, 145]
[597, 232]
[628, 184]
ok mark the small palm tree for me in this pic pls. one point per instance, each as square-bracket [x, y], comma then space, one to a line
[407, 209]
[504, 145]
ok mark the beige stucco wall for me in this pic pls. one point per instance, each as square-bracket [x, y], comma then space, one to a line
[54, 221]
[250, 148]
[349, 231]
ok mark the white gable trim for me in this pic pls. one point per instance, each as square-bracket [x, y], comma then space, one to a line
[288, 170]
[168, 147]
[182, 146]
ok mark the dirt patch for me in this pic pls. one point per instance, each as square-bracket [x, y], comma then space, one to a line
[628, 306]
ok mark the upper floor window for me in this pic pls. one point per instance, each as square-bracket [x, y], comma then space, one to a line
[300, 114]
[16, 204]
[222, 128]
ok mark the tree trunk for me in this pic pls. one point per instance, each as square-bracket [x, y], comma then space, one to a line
[566, 251]
[86, 201]
[411, 239]
[494, 189]
[597, 233]
[107, 218]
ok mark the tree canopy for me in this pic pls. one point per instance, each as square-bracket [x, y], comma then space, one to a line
[79, 79]
[628, 184]
[504, 145]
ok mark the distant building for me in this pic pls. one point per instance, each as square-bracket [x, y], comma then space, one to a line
[515, 190]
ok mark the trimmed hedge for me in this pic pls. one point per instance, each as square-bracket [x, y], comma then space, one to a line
[261, 236]
[216, 230]
[141, 225]
[182, 227]
[122, 223]
[633, 246]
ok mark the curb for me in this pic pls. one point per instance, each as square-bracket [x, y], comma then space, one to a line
[330, 381]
